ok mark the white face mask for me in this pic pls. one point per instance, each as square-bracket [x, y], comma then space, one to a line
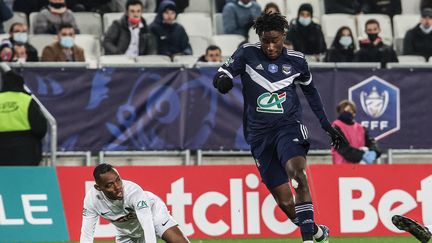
[345, 41]
[304, 21]
[248, 5]
[21, 60]
[425, 29]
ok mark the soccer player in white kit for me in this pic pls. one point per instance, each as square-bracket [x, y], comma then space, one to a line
[139, 216]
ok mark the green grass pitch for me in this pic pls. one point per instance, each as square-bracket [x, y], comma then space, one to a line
[400, 239]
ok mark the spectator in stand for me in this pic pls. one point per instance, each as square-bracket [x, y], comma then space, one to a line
[48, 21]
[238, 17]
[306, 35]
[22, 124]
[97, 6]
[181, 5]
[6, 51]
[213, 54]
[342, 48]
[130, 35]
[342, 6]
[119, 5]
[361, 147]
[171, 37]
[64, 50]
[373, 49]
[418, 40]
[271, 7]
[28, 7]
[20, 53]
[387, 7]
[5, 14]
[425, 4]
[18, 33]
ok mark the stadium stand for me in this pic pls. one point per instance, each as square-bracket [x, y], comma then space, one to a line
[89, 23]
[114, 59]
[196, 24]
[153, 59]
[401, 24]
[200, 6]
[40, 41]
[199, 44]
[411, 59]
[253, 37]
[281, 4]
[188, 60]
[410, 7]
[17, 17]
[90, 44]
[109, 18]
[218, 24]
[227, 43]
[385, 25]
[32, 19]
[330, 24]
[293, 5]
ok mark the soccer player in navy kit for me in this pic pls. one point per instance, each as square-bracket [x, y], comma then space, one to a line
[272, 117]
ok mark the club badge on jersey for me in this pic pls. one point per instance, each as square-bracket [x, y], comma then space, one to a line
[286, 69]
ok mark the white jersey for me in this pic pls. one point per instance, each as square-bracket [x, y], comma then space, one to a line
[140, 215]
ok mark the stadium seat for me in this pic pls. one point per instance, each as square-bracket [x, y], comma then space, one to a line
[113, 59]
[199, 45]
[186, 60]
[330, 24]
[90, 44]
[401, 24]
[227, 43]
[17, 17]
[109, 18]
[292, 7]
[253, 37]
[410, 7]
[40, 41]
[89, 23]
[32, 18]
[154, 59]
[200, 6]
[149, 17]
[218, 24]
[385, 25]
[197, 24]
[411, 59]
[4, 36]
[281, 4]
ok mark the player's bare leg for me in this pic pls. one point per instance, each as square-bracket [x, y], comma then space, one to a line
[296, 170]
[285, 200]
[174, 235]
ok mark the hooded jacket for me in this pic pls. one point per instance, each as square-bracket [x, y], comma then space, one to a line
[171, 38]
[21, 147]
[118, 37]
[416, 42]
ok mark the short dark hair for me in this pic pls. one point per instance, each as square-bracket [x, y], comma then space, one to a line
[133, 2]
[65, 26]
[372, 21]
[13, 26]
[270, 21]
[212, 48]
[271, 5]
[101, 169]
[344, 103]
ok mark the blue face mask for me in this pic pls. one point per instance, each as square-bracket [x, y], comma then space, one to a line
[426, 30]
[67, 41]
[345, 41]
[20, 37]
[304, 21]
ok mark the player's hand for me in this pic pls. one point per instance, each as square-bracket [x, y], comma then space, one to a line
[337, 139]
[222, 82]
[369, 156]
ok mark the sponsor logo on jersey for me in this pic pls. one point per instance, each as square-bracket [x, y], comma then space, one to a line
[286, 69]
[273, 68]
[380, 106]
[271, 102]
[142, 204]
[228, 61]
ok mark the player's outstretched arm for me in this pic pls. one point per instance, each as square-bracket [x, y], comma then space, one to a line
[222, 82]
[89, 220]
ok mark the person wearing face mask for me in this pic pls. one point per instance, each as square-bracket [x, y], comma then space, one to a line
[238, 17]
[361, 147]
[342, 48]
[130, 35]
[171, 36]
[306, 35]
[63, 50]
[50, 18]
[418, 40]
[372, 48]
[18, 35]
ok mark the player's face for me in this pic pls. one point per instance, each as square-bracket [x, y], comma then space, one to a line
[111, 185]
[272, 43]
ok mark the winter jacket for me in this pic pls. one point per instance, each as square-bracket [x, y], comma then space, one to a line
[48, 23]
[416, 42]
[32, 53]
[171, 38]
[342, 6]
[375, 53]
[387, 7]
[118, 37]
[54, 53]
[238, 19]
[307, 39]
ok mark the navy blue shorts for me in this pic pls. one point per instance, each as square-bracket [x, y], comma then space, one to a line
[273, 152]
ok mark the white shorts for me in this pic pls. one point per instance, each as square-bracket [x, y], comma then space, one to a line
[162, 220]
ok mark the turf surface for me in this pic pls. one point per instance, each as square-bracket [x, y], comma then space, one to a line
[401, 239]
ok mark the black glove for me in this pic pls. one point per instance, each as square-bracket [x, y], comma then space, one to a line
[337, 139]
[222, 82]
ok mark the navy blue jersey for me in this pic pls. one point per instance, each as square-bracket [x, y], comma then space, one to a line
[269, 89]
